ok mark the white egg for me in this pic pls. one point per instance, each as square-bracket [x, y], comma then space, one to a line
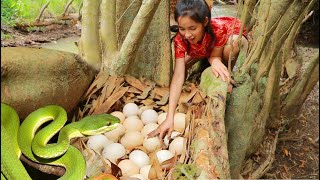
[179, 122]
[148, 172]
[128, 168]
[130, 109]
[141, 109]
[174, 134]
[151, 144]
[133, 123]
[164, 155]
[131, 140]
[113, 152]
[119, 115]
[176, 146]
[148, 128]
[139, 157]
[115, 134]
[149, 116]
[139, 176]
[161, 118]
[97, 142]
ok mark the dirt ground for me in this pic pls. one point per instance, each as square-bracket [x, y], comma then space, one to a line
[297, 153]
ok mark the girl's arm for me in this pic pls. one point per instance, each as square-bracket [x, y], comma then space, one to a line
[217, 67]
[175, 91]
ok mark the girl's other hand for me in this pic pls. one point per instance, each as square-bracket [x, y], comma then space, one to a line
[165, 126]
[219, 69]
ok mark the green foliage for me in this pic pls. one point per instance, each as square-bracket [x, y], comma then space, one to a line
[27, 10]
[8, 12]
[5, 36]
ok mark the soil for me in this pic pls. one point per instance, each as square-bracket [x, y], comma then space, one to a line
[297, 152]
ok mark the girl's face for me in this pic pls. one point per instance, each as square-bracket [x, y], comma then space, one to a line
[191, 30]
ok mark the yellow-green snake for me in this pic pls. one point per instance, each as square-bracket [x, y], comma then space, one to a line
[33, 142]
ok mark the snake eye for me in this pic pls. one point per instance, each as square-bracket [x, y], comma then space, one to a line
[108, 123]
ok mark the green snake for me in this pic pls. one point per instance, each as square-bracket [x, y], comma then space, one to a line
[33, 141]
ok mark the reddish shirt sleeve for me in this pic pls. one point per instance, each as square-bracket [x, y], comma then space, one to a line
[220, 31]
[180, 47]
[224, 27]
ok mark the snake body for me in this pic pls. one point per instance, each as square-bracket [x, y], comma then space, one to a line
[34, 142]
[10, 151]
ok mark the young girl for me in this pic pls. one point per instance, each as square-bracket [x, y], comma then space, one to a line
[199, 37]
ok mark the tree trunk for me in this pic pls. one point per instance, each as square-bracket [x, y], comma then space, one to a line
[209, 145]
[89, 45]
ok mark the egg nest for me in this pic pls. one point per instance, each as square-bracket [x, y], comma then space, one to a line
[108, 94]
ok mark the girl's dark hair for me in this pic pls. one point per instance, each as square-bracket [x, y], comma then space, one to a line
[197, 10]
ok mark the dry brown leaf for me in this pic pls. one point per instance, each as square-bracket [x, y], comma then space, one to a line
[99, 81]
[130, 95]
[193, 87]
[165, 108]
[135, 83]
[182, 107]
[286, 169]
[145, 93]
[147, 82]
[119, 84]
[103, 95]
[103, 77]
[197, 98]
[190, 95]
[134, 90]
[110, 101]
[164, 100]
[202, 94]
[80, 114]
[183, 96]
[153, 95]
[184, 152]
[286, 152]
[111, 85]
[129, 100]
[148, 102]
[155, 164]
[161, 91]
[303, 162]
[94, 106]
[168, 164]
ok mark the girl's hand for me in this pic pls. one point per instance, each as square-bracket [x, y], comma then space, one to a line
[165, 126]
[219, 69]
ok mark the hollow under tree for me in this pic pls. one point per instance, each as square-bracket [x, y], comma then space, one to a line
[132, 37]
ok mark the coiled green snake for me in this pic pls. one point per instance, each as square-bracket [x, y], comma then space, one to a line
[33, 142]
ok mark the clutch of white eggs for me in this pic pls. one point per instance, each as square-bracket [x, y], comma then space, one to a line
[131, 133]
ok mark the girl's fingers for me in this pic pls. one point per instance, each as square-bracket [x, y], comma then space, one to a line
[216, 74]
[226, 74]
[222, 76]
[170, 132]
[153, 133]
[161, 134]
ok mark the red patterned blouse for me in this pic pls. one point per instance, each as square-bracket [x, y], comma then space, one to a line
[222, 28]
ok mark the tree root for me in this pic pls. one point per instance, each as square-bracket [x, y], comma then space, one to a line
[267, 164]
[49, 169]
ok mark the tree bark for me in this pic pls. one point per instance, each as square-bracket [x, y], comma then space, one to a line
[139, 26]
[302, 89]
[209, 144]
[89, 45]
[108, 32]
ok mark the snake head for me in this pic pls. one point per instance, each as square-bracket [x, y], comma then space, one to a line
[98, 123]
